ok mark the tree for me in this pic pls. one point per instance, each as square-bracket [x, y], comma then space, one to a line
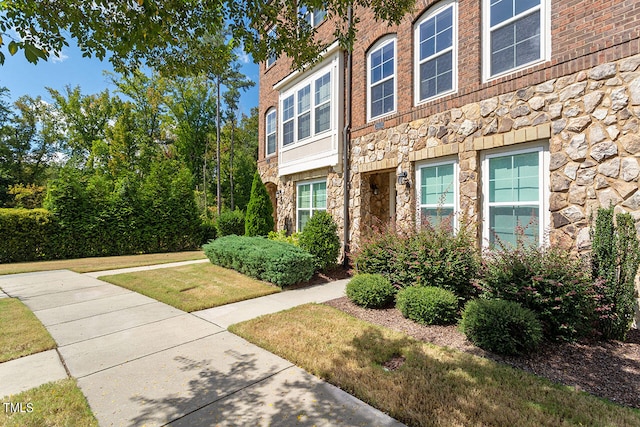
[145, 32]
[258, 219]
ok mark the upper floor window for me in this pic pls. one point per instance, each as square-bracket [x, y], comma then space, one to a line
[270, 131]
[313, 17]
[306, 108]
[436, 52]
[272, 57]
[516, 34]
[381, 82]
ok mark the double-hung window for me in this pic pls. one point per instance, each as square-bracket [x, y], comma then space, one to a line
[270, 131]
[436, 52]
[515, 195]
[516, 31]
[306, 109]
[312, 197]
[313, 17]
[381, 66]
[271, 59]
[437, 192]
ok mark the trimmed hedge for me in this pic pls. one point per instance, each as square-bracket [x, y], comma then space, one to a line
[370, 291]
[28, 235]
[428, 305]
[276, 262]
[230, 223]
[500, 326]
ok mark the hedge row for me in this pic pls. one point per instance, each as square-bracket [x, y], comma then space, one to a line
[258, 257]
[28, 235]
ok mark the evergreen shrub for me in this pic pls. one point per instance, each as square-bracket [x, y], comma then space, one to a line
[370, 291]
[428, 305]
[320, 238]
[499, 326]
[276, 262]
[230, 222]
[259, 216]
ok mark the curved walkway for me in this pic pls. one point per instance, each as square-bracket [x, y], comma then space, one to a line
[142, 362]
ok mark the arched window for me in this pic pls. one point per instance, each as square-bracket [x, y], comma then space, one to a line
[270, 132]
[381, 78]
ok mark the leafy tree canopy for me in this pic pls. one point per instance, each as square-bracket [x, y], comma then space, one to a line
[143, 32]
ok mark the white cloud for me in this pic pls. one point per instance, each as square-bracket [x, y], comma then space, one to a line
[245, 58]
[59, 57]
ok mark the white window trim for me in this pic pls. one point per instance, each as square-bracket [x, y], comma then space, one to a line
[545, 39]
[293, 90]
[456, 187]
[311, 208]
[379, 45]
[416, 51]
[270, 111]
[543, 185]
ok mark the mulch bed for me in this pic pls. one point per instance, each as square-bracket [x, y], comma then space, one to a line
[606, 369]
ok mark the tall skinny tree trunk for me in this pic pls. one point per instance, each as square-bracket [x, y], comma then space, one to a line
[233, 123]
[218, 197]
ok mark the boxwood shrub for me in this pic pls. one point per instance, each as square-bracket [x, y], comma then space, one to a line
[370, 290]
[276, 262]
[428, 305]
[503, 327]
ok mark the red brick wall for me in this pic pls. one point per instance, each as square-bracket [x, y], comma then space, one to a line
[583, 34]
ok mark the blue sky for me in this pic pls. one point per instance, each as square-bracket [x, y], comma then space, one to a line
[24, 78]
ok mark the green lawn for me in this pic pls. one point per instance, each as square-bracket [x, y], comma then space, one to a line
[193, 287]
[84, 265]
[434, 386]
[21, 333]
[56, 404]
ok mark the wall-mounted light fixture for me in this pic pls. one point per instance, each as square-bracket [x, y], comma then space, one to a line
[374, 189]
[403, 179]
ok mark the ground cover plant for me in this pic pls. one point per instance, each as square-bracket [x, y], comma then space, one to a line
[193, 287]
[21, 333]
[55, 404]
[85, 265]
[258, 257]
[418, 383]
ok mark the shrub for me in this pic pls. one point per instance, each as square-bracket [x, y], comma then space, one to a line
[29, 235]
[259, 219]
[503, 327]
[549, 281]
[28, 197]
[370, 291]
[320, 238]
[615, 258]
[281, 236]
[428, 305]
[433, 256]
[276, 262]
[208, 229]
[230, 222]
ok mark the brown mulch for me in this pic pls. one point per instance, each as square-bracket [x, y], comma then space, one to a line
[607, 369]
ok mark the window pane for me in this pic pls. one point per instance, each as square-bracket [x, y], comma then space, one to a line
[524, 5]
[303, 217]
[382, 98]
[304, 196]
[437, 186]
[304, 99]
[503, 221]
[323, 89]
[305, 14]
[427, 38]
[318, 16]
[320, 196]
[304, 126]
[501, 10]
[323, 118]
[271, 122]
[287, 108]
[271, 144]
[516, 44]
[287, 133]
[434, 216]
[436, 76]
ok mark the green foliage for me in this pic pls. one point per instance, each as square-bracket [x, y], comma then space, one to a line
[259, 216]
[615, 258]
[28, 235]
[276, 262]
[428, 305]
[433, 256]
[231, 222]
[547, 280]
[27, 196]
[281, 236]
[370, 291]
[320, 238]
[503, 327]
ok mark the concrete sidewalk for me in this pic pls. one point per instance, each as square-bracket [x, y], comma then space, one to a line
[142, 362]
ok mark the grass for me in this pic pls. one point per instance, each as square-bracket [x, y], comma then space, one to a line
[85, 265]
[21, 333]
[193, 287]
[434, 387]
[59, 403]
